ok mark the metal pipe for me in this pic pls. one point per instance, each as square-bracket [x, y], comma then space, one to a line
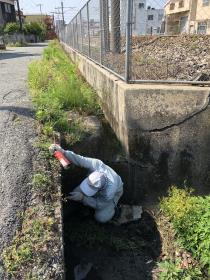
[169, 82]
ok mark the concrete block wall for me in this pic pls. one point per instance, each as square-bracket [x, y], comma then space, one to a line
[165, 130]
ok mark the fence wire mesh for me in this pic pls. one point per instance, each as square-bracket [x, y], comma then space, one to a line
[145, 40]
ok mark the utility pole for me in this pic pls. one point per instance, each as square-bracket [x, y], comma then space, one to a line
[115, 26]
[62, 11]
[40, 8]
[53, 16]
[19, 16]
[105, 24]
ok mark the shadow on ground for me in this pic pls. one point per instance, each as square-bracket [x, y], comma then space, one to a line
[26, 112]
[116, 252]
[11, 55]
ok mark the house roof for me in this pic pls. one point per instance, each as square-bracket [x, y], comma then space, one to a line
[36, 15]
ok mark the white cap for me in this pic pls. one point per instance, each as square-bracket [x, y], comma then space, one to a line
[95, 182]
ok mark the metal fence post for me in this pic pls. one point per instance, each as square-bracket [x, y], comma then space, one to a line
[88, 27]
[73, 34]
[101, 31]
[77, 37]
[81, 30]
[128, 54]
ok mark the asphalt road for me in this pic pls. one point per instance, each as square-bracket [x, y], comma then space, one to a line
[17, 134]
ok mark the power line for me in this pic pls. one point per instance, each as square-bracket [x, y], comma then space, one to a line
[62, 13]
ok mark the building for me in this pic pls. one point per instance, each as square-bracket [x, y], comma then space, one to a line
[146, 19]
[187, 16]
[7, 12]
[154, 20]
[29, 18]
[202, 21]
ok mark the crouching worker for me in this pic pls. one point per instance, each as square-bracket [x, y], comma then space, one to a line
[101, 190]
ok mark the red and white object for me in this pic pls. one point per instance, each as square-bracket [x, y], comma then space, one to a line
[63, 160]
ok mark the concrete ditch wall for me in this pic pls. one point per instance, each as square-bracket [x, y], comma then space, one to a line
[165, 130]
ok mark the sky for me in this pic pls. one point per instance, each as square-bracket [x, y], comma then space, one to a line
[71, 6]
[48, 6]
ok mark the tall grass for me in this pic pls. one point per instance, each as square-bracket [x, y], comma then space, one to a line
[57, 88]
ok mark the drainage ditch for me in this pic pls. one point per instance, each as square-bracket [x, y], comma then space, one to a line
[105, 251]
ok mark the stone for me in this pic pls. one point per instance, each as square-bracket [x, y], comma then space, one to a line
[129, 213]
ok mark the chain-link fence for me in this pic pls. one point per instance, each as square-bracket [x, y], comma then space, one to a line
[145, 40]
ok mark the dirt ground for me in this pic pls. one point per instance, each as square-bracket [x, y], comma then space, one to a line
[115, 252]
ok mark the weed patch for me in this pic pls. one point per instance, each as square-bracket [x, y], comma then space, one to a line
[41, 183]
[190, 216]
[173, 270]
[35, 234]
[57, 89]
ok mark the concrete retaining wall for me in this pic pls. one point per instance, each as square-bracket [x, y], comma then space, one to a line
[165, 130]
[19, 37]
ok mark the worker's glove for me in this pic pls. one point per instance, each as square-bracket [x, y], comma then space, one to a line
[55, 147]
[76, 196]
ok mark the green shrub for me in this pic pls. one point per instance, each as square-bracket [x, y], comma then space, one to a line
[190, 216]
[1, 30]
[11, 27]
[35, 28]
[17, 44]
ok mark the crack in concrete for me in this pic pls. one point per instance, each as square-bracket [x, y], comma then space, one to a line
[21, 91]
[181, 122]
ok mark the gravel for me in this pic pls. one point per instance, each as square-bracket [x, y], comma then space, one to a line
[181, 57]
[17, 135]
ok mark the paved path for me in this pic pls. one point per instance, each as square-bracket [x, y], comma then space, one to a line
[17, 134]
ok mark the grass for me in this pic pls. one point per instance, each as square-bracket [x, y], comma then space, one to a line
[36, 232]
[56, 89]
[173, 271]
[41, 183]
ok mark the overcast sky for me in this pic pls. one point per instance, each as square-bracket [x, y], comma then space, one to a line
[30, 6]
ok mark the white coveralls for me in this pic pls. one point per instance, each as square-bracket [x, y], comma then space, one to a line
[105, 200]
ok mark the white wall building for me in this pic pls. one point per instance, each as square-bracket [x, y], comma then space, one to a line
[146, 20]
